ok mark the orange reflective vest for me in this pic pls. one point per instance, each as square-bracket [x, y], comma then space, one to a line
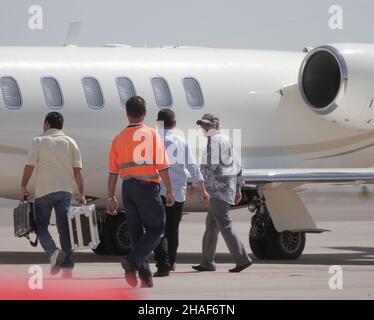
[138, 152]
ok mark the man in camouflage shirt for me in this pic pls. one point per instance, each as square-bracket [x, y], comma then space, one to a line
[222, 173]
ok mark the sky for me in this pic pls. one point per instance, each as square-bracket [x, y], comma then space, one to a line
[275, 25]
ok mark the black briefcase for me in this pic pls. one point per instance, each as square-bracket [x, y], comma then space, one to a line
[23, 217]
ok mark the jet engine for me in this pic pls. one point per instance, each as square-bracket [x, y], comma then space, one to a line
[337, 83]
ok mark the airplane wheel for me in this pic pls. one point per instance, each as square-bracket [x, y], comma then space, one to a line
[121, 238]
[259, 248]
[289, 245]
[114, 236]
[274, 245]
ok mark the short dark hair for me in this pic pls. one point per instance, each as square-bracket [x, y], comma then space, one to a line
[135, 107]
[167, 116]
[55, 120]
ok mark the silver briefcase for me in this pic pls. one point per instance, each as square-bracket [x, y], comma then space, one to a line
[84, 233]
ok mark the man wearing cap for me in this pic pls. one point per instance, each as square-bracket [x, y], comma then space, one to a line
[181, 159]
[223, 180]
[138, 155]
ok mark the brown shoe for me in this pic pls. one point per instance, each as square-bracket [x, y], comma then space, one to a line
[173, 267]
[57, 259]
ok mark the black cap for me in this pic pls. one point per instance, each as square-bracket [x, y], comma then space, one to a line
[207, 119]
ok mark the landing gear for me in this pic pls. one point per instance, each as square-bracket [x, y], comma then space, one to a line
[114, 236]
[265, 241]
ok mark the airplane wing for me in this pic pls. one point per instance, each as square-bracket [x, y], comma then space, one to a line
[349, 176]
[279, 187]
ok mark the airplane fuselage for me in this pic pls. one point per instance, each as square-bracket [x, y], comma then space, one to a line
[239, 86]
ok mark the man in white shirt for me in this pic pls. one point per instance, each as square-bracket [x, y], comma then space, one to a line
[181, 160]
[57, 160]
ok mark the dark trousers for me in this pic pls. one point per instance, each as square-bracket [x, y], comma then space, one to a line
[145, 215]
[166, 252]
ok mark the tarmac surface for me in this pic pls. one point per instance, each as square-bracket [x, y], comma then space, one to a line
[349, 245]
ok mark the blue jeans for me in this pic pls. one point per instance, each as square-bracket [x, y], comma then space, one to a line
[145, 216]
[60, 201]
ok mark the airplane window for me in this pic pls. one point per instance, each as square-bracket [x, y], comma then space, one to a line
[193, 93]
[11, 93]
[126, 89]
[93, 93]
[52, 93]
[162, 92]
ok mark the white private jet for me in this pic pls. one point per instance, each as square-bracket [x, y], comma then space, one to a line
[305, 117]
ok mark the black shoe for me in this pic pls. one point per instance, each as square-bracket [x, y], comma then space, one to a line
[130, 272]
[200, 268]
[240, 268]
[146, 282]
[161, 273]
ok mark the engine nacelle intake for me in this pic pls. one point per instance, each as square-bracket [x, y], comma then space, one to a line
[337, 82]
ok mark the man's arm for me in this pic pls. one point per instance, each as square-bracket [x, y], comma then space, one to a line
[112, 203]
[31, 162]
[196, 175]
[165, 176]
[112, 182]
[27, 173]
[79, 180]
[239, 179]
[204, 194]
[112, 206]
[239, 184]
[161, 161]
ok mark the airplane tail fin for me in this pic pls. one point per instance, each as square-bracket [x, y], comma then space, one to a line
[73, 33]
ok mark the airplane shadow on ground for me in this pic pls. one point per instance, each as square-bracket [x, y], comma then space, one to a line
[360, 256]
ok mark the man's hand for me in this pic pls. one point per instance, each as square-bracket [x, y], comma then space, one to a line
[170, 199]
[191, 192]
[204, 194]
[165, 176]
[82, 200]
[23, 191]
[238, 197]
[112, 206]
[206, 198]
